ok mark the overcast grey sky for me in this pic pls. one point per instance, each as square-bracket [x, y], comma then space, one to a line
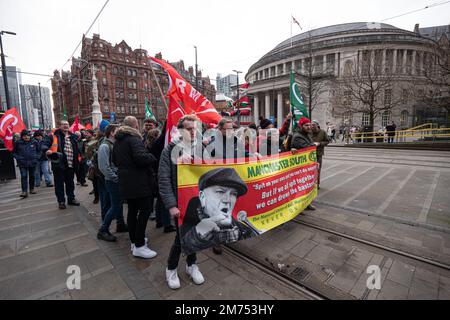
[229, 34]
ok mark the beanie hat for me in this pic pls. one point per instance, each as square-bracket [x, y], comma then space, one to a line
[103, 125]
[303, 121]
[25, 132]
[265, 123]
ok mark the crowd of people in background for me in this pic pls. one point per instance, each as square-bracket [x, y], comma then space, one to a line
[133, 167]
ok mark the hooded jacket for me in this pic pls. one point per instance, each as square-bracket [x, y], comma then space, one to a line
[301, 140]
[134, 164]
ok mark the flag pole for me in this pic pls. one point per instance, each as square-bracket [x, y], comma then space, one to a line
[159, 87]
[291, 28]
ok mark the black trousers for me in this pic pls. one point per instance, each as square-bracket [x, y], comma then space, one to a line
[138, 213]
[64, 178]
[175, 253]
[81, 172]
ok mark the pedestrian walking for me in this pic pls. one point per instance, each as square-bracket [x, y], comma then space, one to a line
[42, 167]
[168, 190]
[321, 139]
[64, 156]
[110, 174]
[135, 183]
[27, 153]
[390, 130]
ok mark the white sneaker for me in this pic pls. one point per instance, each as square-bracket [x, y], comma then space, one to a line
[132, 245]
[195, 274]
[144, 252]
[172, 279]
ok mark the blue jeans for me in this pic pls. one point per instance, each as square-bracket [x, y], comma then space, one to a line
[116, 209]
[42, 168]
[105, 202]
[25, 175]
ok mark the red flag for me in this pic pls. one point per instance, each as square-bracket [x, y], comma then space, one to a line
[75, 125]
[11, 117]
[184, 100]
[88, 126]
[8, 138]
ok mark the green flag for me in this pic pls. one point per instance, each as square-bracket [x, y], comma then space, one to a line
[65, 113]
[298, 107]
[148, 112]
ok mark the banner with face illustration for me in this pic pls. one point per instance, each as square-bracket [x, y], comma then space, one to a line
[230, 202]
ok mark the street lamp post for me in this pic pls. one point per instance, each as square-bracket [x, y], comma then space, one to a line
[237, 99]
[196, 70]
[5, 77]
[42, 110]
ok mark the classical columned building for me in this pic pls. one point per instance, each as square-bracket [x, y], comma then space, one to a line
[325, 57]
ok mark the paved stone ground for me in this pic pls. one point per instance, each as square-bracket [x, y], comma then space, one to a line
[396, 198]
[38, 243]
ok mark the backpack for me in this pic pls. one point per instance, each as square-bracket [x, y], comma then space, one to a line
[97, 171]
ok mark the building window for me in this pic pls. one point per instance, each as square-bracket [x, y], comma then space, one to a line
[365, 119]
[116, 70]
[105, 108]
[126, 51]
[347, 98]
[132, 84]
[119, 83]
[145, 87]
[405, 96]
[404, 118]
[120, 50]
[129, 72]
[348, 68]
[101, 45]
[385, 118]
[104, 81]
[134, 72]
[387, 97]
[117, 94]
[145, 74]
[348, 118]
[103, 68]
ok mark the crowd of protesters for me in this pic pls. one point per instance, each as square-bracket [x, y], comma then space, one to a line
[136, 168]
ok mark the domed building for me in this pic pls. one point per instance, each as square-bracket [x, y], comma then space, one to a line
[329, 60]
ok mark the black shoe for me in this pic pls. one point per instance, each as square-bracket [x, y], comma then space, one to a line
[106, 236]
[310, 208]
[62, 206]
[159, 225]
[122, 228]
[24, 195]
[169, 229]
[73, 202]
[217, 250]
[84, 185]
[50, 185]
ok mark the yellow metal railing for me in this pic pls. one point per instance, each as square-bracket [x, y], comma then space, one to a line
[400, 136]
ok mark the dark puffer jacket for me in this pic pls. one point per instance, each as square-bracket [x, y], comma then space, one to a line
[134, 164]
[27, 154]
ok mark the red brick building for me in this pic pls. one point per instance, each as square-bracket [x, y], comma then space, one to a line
[125, 80]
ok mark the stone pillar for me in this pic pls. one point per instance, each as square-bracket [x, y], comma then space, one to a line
[413, 63]
[383, 62]
[394, 61]
[372, 61]
[292, 66]
[256, 109]
[267, 106]
[421, 57]
[336, 64]
[405, 55]
[96, 113]
[324, 63]
[270, 72]
[279, 110]
[300, 69]
[284, 68]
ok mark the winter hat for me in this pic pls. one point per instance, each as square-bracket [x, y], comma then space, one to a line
[303, 121]
[25, 133]
[103, 125]
[265, 123]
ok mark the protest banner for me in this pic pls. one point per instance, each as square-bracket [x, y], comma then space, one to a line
[227, 203]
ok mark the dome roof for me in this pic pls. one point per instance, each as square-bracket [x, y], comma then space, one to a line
[339, 28]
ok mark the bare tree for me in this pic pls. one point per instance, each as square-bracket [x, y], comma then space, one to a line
[314, 78]
[368, 87]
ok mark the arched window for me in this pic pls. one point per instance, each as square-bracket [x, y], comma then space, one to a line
[120, 50]
[103, 68]
[132, 84]
[404, 118]
[145, 74]
[119, 83]
[385, 118]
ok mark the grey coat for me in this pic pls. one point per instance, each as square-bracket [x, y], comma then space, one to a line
[167, 176]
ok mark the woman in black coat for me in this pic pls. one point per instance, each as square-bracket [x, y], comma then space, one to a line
[135, 183]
